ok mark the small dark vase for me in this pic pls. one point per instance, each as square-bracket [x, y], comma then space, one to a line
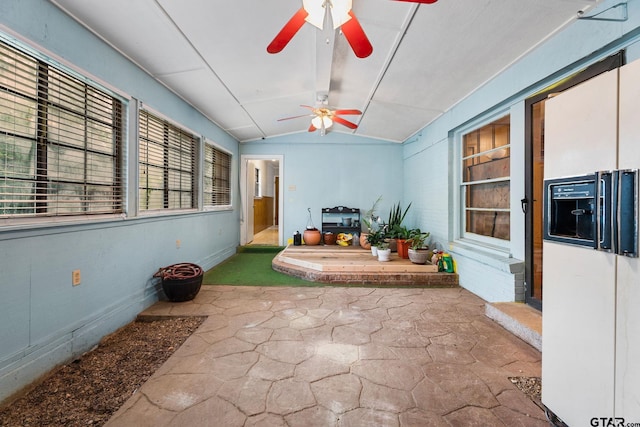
[181, 282]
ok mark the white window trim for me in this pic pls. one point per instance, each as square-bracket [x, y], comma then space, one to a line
[483, 243]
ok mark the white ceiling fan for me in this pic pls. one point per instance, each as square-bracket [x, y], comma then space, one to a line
[323, 117]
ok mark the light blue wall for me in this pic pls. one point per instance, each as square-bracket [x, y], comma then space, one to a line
[332, 170]
[44, 320]
[430, 162]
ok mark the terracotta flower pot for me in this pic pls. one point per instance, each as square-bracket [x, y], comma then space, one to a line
[363, 241]
[330, 238]
[403, 248]
[312, 237]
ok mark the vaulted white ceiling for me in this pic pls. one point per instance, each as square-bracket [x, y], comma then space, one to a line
[425, 59]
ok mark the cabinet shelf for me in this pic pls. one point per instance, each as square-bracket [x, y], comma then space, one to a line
[341, 219]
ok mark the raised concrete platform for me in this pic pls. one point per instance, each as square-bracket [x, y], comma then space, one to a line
[521, 320]
[356, 266]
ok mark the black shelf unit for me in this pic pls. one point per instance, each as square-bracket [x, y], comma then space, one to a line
[333, 220]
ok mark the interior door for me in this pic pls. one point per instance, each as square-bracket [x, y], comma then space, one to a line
[250, 189]
[277, 201]
[534, 160]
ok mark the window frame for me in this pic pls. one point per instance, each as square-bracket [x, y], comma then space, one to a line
[46, 69]
[492, 244]
[217, 148]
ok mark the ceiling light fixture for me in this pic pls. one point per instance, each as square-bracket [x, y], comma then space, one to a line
[317, 11]
[322, 121]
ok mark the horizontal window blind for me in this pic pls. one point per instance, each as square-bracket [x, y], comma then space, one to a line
[217, 177]
[167, 164]
[61, 142]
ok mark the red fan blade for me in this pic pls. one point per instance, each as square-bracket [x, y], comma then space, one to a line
[288, 31]
[312, 128]
[420, 1]
[356, 37]
[344, 112]
[344, 122]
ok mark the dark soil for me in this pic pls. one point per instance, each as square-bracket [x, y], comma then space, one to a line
[531, 386]
[87, 391]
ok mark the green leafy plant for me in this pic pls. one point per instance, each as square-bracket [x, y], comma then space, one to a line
[396, 216]
[369, 216]
[400, 232]
[417, 239]
[376, 237]
[382, 245]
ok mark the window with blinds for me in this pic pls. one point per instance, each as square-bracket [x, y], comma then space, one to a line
[61, 142]
[217, 177]
[167, 164]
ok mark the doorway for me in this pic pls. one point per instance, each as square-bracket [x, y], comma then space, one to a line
[260, 189]
[534, 173]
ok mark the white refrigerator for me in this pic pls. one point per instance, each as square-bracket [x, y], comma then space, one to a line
[591, 300]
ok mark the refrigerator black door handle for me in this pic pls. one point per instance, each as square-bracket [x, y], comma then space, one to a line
[627, 213]
[604, 211]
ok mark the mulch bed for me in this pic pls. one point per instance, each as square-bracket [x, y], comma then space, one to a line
[90, 389]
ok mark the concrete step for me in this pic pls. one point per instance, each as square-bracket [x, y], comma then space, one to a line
[518, 318]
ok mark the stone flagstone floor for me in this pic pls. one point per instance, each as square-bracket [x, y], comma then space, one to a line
[338, 356]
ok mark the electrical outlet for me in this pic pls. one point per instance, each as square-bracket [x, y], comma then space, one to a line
[178, 243]
[75, 277]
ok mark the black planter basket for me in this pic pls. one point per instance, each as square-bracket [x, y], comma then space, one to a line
[181, 282]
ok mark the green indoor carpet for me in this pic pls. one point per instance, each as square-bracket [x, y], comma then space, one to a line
[251, 266]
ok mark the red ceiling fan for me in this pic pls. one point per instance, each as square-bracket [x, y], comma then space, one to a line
[324, 117]
[314, 11]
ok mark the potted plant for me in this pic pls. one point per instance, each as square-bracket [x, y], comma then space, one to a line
[402, 234]
[368, 219]
[374, 239]
[394, 223]
[384, 251]
[418, 250]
